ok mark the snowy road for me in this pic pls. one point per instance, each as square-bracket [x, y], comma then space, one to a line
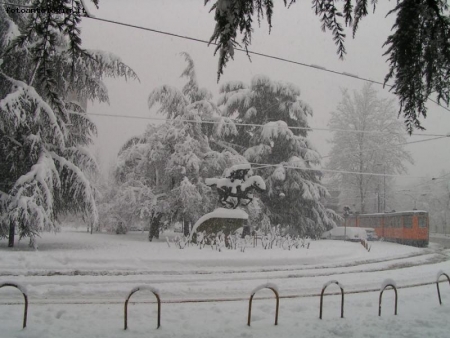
[77, 284]
[103, 268]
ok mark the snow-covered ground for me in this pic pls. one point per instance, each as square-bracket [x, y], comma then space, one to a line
[77, 284]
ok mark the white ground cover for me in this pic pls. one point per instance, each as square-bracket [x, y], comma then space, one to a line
[77, 284]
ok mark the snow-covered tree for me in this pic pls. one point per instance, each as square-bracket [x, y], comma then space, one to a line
[429, 195]
[173, 159]
[435, 198]
[418, 49]
[46, 78]
[373, 148]
[287, 157]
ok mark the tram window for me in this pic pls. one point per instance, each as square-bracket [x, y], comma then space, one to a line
[397, 222]
[379, 221]
[407, 221]
[422, 222]
[387, 222]
[374, 222]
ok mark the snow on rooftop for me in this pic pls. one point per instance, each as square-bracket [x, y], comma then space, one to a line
[403, 212]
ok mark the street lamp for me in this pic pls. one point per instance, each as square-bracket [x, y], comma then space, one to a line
[346, 213]
[384, 188]
[412, 196]
[447, 207]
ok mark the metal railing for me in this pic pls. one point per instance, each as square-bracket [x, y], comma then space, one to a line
[381, 295]
[25, 297]
[134, 291]
[265, 286]
[342, 297]
[440, 273]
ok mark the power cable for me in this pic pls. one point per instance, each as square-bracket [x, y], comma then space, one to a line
[247, 51]
[383, 149]
[257, 125]
[268, 165]
[260, 125]
[267, 56]
[431, 181]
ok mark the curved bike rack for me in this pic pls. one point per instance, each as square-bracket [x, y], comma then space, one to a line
[381, 295]
[440, 273]
[342, 296]
[264, 286]
[25, 297]
[154, 291]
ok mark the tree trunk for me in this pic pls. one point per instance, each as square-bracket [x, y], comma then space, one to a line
[154, 227]
[186, 229]
[12, 230]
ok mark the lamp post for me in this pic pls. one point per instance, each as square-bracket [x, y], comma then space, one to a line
[346, 213]
[446, 205]
[384, 188]
[412, 196]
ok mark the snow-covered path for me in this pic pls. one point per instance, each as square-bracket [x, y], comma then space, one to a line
[74, 266]
[78, 277]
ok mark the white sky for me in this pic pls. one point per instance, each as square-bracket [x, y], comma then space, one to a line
[296, 35]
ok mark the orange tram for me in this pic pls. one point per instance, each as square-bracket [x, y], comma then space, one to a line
[405, 227]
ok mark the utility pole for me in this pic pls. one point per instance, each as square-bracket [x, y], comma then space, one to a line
[378, 198]
[384, 188]
[346, 213]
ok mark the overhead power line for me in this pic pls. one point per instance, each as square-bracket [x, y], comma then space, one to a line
[262, 125]
[267, 165]
[247, 51]
[383, 149]
[433, 180]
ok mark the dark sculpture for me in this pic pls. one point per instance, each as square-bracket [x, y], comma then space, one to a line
[237, 186]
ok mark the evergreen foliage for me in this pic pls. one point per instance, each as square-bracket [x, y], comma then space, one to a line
[418, 48]
[373, 150]
[173, 159]
[44, 129]
[294, 196]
